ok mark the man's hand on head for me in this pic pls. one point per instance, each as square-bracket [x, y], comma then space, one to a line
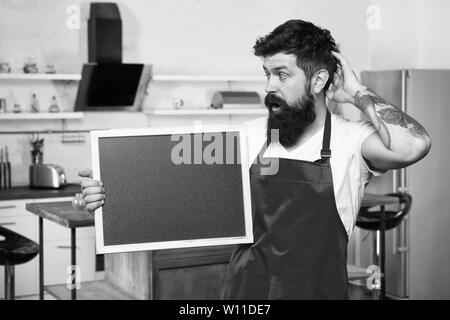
[346, 88]
[345, 84]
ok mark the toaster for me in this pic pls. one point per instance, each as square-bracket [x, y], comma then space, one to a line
[47, 176]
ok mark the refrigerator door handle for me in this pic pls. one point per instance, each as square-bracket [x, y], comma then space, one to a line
[395, 185]
[403, 183]
[394, 241]
[399, 246]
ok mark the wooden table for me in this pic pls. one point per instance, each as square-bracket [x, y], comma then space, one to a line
[63, 214]
[373, 200]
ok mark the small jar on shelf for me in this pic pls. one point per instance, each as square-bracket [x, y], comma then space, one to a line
[34, 103]
[53, 105]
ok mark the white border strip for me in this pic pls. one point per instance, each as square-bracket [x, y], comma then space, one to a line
[241, 129]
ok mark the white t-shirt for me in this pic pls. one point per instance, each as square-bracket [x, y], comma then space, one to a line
[350, 171]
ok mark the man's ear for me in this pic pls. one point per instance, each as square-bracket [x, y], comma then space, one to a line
[320, 79]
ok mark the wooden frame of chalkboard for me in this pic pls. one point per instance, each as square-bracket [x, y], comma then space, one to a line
[172, 187]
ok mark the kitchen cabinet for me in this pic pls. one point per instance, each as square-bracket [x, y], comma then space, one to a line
[57, 266]
[56, 232]
[13, 215]
[188, 273]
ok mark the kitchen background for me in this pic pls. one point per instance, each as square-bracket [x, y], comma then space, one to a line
[191, 38]
[172, 36]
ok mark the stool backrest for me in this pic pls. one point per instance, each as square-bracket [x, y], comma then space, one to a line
[371, 220]
[405, 200]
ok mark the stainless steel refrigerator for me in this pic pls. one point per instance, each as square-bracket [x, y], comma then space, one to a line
[418, 251]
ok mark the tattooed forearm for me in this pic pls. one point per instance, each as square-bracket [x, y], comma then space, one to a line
[395, 116]
[368, 98]
[387, 113]
[388, 135]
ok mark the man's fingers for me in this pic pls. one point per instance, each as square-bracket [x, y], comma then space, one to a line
[340, 58]
[93, 206]
[93, 190]
[345, 67]
[94, 198]
[329, 94]
[339, 71]
[91, 183]
[335, 81]
[85, 173]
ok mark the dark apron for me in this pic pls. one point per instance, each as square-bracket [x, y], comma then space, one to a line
[300, 243]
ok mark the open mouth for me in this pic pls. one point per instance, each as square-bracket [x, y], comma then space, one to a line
[276, 107]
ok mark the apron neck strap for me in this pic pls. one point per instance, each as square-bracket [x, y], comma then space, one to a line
[325, 153]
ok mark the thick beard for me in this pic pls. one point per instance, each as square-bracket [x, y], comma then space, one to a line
[290, 120]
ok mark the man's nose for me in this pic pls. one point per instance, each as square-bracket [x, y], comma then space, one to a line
[271, 86]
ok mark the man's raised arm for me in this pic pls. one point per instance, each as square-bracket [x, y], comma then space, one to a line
[400, 140]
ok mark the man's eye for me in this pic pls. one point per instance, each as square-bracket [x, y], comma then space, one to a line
[282, 76]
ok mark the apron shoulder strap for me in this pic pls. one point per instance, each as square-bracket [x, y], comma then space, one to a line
[325, 153]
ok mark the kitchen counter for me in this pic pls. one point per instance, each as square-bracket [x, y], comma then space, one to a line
[25, 192]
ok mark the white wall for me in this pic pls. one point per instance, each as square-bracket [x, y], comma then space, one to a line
[396, 44]
[434, 46]
[178, 36]
[413, 35]
[207, 37]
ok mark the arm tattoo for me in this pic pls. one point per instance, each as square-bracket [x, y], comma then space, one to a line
[366, 99]
[389, 114]
[388, 134]
[395, 116]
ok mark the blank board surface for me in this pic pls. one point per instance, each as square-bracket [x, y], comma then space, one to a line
[155, 202]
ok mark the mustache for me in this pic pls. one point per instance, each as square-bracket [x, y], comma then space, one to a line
[273, 101]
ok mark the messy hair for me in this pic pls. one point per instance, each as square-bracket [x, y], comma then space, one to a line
[311, 45]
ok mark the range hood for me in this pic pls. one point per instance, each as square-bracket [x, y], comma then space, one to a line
[106, 83]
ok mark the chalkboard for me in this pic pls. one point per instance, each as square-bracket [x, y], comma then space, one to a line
[172, 187]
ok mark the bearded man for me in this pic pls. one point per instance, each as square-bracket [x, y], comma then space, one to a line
[304, 212]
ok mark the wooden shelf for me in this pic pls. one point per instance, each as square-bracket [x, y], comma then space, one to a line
[41, 116]
[156, 77]
[200, 78]
[40, 76]
[205, 112]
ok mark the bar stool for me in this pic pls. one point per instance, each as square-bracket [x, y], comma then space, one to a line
[14, 249]
[373, 220]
